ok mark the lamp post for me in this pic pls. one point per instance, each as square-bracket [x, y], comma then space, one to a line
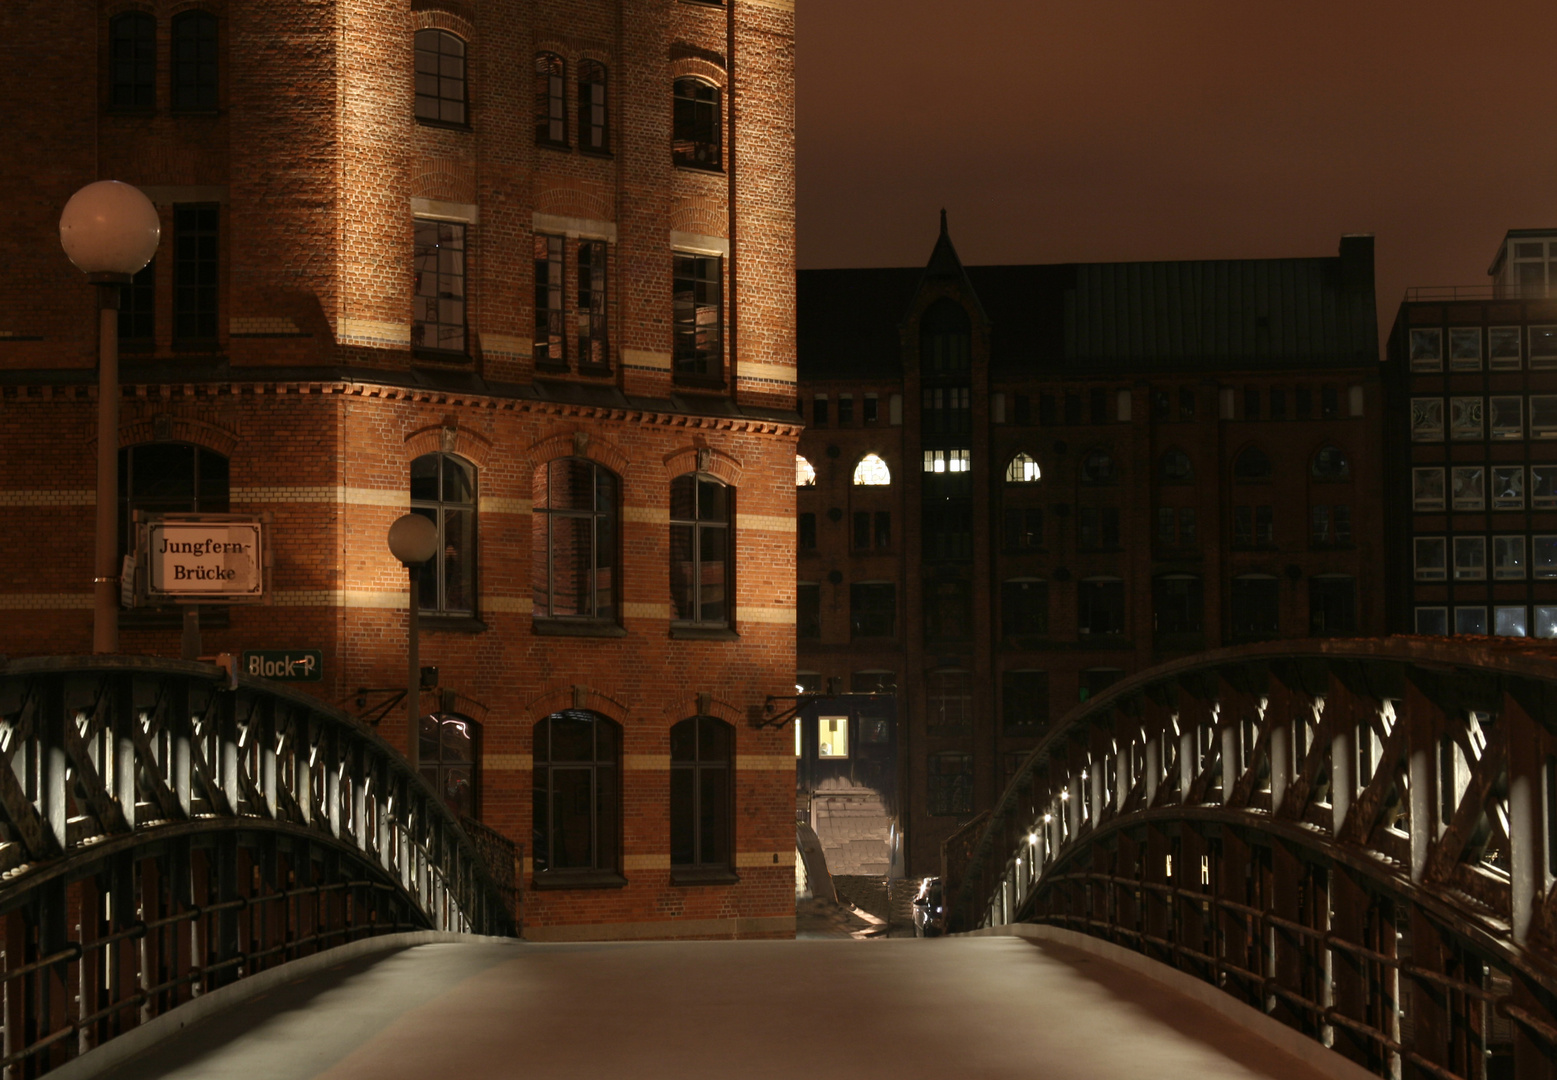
[109, 231]
[413, 539]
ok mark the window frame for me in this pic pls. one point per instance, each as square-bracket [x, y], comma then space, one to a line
[1430, 558]
[594, 116]
[136, 73]
[606, 607]
[430, 260]
[1424, 345]
[697, 132]
[1037, 695]
[860, 611]
[550, 88]
[699, 526]
[441, 507]
[1427, 419]
[197, 275]
[697, 345]
[1426, 503]
[605, 867]
[1462, 356]
[442, 102]
[201, 75]
[700, 869]
[549, 339]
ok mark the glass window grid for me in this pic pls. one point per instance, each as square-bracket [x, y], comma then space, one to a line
[1465, 348]
[1543, 347]
[438, 308]
[1546, 627]
[132, 52]
[1503, 348]
[702, 561]
[549, 347]
[1470, 558]
[443, 490]
[702, 795]
[1467, 487]
[1023, 470]
[948, 461]
[873, 609]
[196, 272]
[596, 805]
[1508, 558]
[1024, 607]
[1506, 416]
[696, 141]
[591, 592]
[1426, 347]
[1427, 490]
[551, 110]
[1426, 419]
[698, 316]
[1510, 620]
[1543, 557]
[872, 471]
[805, 473]
[594, 345]
[1508, 487]
[1024, 702]
[194, 54]
[440, 77]
[1467, 418]
[1432, 621]
[1430, 558]
[594, 132]
[138, 310]
[1543, 487]
[1470, 619]
[1543, 416]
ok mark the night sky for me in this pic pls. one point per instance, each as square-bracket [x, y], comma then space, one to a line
[1100, 130]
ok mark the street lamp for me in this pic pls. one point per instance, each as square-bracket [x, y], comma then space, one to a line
[109, 230]
[413, 539]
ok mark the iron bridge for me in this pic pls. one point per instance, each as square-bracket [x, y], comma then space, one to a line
[165, 830]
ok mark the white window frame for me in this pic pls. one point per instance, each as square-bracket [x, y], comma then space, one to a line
[1430, 556]
[1508, 558]
[1500, 611]
[1427, 419]
[1467, 418]
[1425, 346]
[1544, 617]
[1469, 478]
[1543, 502]
[1470, 558]
[1427, 502]
[1459, 338]
[1504, 335]
[1498, 421]
[1507, 502]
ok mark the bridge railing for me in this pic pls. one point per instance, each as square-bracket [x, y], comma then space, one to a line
[1358, 838]
[163, 833]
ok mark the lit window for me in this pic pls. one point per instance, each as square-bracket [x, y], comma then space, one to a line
[946, 461]
[1546, 627]
[805, 475]
[832, 736]
[1023, 470]
[872, 472]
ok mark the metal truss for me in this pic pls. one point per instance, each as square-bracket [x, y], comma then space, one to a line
[163, 833]
[1358, 838]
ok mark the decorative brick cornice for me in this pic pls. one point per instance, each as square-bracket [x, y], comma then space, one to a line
[703, 459]
[455, 18]
[557, 697]
[696, 67]
[579, 443]
[449, 438]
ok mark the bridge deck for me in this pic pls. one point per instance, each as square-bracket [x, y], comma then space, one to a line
[970, 1008]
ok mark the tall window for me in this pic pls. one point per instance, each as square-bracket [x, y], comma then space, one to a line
[1177, 604]
[945, 339]
[593, 344]
[575, 544]
[138, 310]
[1255, 601]
[196, 272]
[169, 478]
[132, 50]
[808, 611]
[443, 490]
[194, 56]
[873, 609]
[551, 118]
[438, 311]
[550, 335]
[701, 559]
[702, 794]
[440, 77]
[1024, 702]
[949, 700]
[695, 140]
[1332, 605]
[577, 794]
[593, 120]
[948, 611]
[698, 316]
[950, 787]
[449, 752]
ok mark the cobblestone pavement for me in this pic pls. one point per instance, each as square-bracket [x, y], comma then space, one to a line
[889, 901]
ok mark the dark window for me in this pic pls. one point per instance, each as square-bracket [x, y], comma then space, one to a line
[702, 794]
[1022, 410]
[1072, 408]
[438, 311]
[1046, 412]
[1251, 404]
[1095, 680]
[1330, 402]
[138, 310]
[1177, 604]
[1175, 468]
[845, 409]
[819, 411]
[594, 132]
[1098, 528]
[1278, 403]
[873, 609]
[808, 611]
[950, 789]
[883, 528]
[1186, 403]
[577, 792]
[593, 342]
[1098, 468]
[1024, 702]
[701, 561]
[1024, 607]
[1255, 611]
[551, 117]
[1162, 406]
[1254, 527]
[1332, 605]
[948, 701]
[1330, 464]
[574, 546]
[443, 490]
[947, 530]
[945, 339]
[699, 316]
[1330, 526]
[948, 611]
[196, 272]
[550, 344]
[1024, 529]
[948, 410]
[1304, 403]
[440, 77]
[132, 50]
[1252, 466]
[695, 138]
[868, 412]
[194, 54]
[862, 530]
[808, 532]
[449, 758]
[1176, 527]
[873, 682]
[168, 478]
[1100, 606]
[1098, 406]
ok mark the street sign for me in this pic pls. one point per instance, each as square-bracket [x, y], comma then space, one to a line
[197, 560]
[284, 665]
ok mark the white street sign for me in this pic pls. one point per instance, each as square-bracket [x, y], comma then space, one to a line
[204, 560]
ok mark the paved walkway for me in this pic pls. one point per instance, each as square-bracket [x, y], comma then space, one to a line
[968, 1008]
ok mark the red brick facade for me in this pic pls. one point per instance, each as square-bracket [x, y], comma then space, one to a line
[312, 392]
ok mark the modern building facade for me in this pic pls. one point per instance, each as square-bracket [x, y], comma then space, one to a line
[525, 268]
[1472, 438]
[1019, 483]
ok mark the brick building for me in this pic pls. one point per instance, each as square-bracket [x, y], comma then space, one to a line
[1020, 483]
[1472, 450]
[524, 267]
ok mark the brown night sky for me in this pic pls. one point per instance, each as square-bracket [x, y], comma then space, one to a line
[1099, 130]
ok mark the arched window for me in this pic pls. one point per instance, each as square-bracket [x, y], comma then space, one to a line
[1330, 465]
[945, 338]
[702, 564]
[1174, 467]
[805, 475]
[577, 793]
[443, 490]
[702, 795]
[551, 117]
[594, 132]
[1252, 465]
[574, 545]
[1098, 468]
[194, 56]
[132, 50]
[872, 472]
[168, 478]
[695, 140]
[1023, 470]
[449, 753]
[440, 77]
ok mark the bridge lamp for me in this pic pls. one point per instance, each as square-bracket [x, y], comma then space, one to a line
[109, 231]
[413, 539]
[1032, 838]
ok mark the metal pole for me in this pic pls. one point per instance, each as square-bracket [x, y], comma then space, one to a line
[105, 581]
[414, 683]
